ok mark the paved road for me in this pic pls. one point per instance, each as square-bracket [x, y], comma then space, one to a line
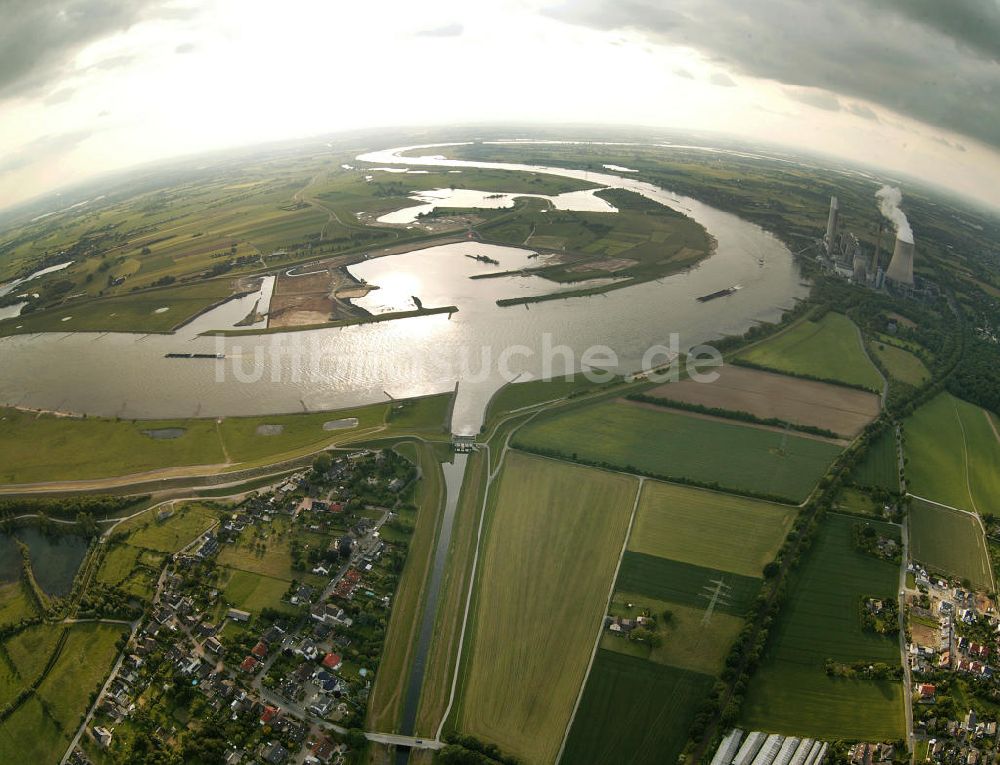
[391, 739]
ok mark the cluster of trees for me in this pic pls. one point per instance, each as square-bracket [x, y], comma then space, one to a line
[95, 505]
[976, 378]
[868, 540]
[886, 622]
[865, 669]
[468, 750]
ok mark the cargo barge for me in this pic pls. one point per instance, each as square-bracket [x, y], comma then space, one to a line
[195, 356]
[720, 293]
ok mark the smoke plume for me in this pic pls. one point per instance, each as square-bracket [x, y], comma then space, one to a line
[889, 198]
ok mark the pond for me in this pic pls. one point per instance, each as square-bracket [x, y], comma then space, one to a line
[55, 559]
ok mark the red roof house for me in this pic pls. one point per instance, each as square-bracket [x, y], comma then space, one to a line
[249, 664]
[269, 714]
[331, 661]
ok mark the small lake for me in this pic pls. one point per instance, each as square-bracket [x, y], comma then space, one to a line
[54, 559]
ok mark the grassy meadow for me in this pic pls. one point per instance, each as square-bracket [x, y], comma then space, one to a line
[949, 542]
[97, 447]
[689, 525]
[187, 521]
[953, 455]
[253, 592]
[791, 691]
[672, 445]
[828, 349]
[16, 603]
[554, 540]
[901, 364]
[40, 729]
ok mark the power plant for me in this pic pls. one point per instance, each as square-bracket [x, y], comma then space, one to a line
[843, 254]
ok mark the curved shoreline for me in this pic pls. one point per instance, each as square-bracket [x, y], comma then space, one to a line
[116, 374]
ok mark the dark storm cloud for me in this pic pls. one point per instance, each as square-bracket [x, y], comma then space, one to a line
[38, 38]
[448, 30]
[938, 62]
[46, 146]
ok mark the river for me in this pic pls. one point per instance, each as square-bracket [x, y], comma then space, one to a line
[126, 375]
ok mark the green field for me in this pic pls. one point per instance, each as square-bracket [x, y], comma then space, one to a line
[902, 365]
[879, 468]
[791, 691]
[828, 349]
[949, 542]
[254, 592]
[705, 528]
[547, 566]
[95, 447]
[41, 728]
[187, 521]
[954, 455]
[684, 583]
[429, 413]
[16, 603]
[117, 564]
[667, 444]
[30, 649]
[299, 432]
[635, 712]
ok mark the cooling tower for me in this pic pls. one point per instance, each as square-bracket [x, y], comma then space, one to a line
[900, 269]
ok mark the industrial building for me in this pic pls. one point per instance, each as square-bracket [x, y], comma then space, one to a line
[768, 749]
[843, 254]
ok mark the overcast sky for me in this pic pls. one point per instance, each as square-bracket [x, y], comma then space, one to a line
[88, 86]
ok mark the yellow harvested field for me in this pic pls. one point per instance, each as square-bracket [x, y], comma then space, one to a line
[706, 528]
[554, 543]
[766, 394]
